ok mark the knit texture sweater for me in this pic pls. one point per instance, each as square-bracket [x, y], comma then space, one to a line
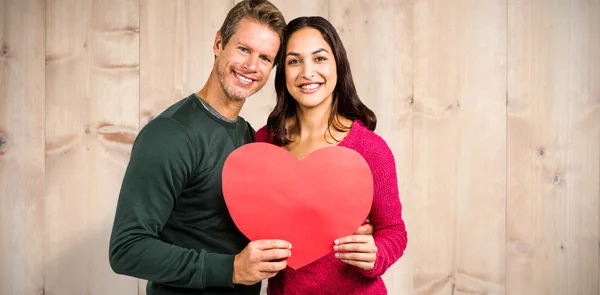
[172, 227]
[328, 274]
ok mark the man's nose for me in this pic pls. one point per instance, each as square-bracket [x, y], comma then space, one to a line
[252, 62]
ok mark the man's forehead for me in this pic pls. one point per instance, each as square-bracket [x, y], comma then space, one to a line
[257, 38]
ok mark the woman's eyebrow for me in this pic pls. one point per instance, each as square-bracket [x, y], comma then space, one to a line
[314, 52]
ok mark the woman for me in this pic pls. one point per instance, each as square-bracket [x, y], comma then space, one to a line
[318, 106]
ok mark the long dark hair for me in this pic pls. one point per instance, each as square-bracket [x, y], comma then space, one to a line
[345, 98]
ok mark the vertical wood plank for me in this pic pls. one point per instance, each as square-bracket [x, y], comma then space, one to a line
[378, 39]
[258, 107]
[460, 84]
[595, 109]
[92, 117]
[481, 194]
[554, 146]
[582, 152]
[176, 50]
[22, 99]
[437, 62]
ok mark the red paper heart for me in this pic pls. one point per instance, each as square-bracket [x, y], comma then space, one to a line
[311, 202]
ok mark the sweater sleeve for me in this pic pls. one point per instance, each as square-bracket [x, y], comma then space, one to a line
[162, 160]
[389, 230]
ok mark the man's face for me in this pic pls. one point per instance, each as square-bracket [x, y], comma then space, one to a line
[244, 64]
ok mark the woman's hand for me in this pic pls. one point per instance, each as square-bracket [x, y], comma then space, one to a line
[357, 250]
[366, 229]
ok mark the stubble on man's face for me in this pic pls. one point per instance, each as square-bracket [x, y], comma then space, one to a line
[231, 93]
[243, 65]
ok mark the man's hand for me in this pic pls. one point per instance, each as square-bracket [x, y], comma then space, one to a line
[260, 260]
[357, 250]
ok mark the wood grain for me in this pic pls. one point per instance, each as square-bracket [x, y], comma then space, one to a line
[22, 101]
[176, 50]
[92, 78]
[553, 147]
[459, 109]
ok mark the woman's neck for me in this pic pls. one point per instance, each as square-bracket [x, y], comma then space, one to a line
[312, 122]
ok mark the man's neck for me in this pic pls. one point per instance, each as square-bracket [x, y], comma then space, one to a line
[213, 94]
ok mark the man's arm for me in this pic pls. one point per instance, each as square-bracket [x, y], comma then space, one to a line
[161, 162]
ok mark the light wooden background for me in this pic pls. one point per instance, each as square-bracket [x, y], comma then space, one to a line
[492, 109]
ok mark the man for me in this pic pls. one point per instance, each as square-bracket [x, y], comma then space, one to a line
[172, 226]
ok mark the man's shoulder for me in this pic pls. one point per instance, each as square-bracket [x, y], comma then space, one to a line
[168, 125]
[180, 109]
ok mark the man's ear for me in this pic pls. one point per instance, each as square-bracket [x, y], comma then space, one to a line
[218, 46]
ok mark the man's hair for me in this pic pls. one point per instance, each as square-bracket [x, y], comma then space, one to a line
[260, 11]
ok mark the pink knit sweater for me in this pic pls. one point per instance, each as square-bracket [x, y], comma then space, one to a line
[329, 275]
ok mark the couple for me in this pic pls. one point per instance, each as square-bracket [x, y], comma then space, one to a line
[172, 226]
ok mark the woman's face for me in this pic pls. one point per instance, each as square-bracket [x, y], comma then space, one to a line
[310, 69]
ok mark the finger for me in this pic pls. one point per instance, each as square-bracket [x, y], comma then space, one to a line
[355, 247]
[366, 229]
[363, 265]
[272, 266]
[361, 230]
[353, 239]
[272, 244]
[360, 257]
[268, 274]
[275, 254]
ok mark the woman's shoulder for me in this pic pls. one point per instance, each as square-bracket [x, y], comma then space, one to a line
[360, 134]
[368, 143]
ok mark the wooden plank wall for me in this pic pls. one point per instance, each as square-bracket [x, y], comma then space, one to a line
[492, 110]
[459, 147]
[92, 98]
[553, 131]
[22, 120]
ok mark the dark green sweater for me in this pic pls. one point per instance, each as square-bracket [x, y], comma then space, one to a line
[172, 226]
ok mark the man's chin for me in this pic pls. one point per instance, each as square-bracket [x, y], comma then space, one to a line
[241, 96]
[238, 97]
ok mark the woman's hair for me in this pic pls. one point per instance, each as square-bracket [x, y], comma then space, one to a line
[345, 102]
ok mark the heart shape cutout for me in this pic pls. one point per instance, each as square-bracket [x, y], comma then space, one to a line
[310, 202]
